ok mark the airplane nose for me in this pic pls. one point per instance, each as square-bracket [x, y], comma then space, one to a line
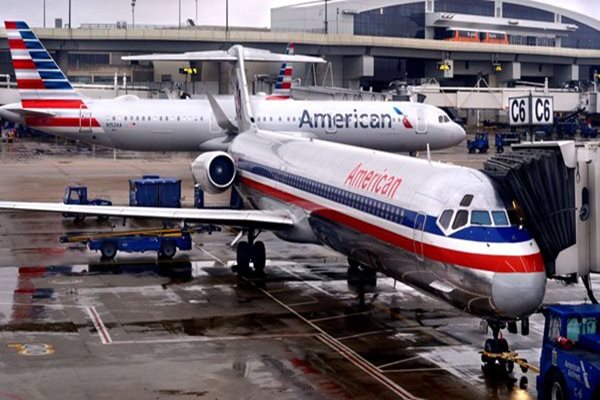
[518, 294]
[459, 133]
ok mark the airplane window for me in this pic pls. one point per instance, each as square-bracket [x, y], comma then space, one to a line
[288, 119]
[137, 117]
[167, 118]
[178, 118]
[294, 119]
[500, 218]
[446, 119]
[161, 118]
[201, 118]
[461, 219]
[271, 119]
[441, 119]
[445, 218]
[126, 118]
[279, 119]
[466, 201]
[481, 218]
[131, 118]
[143, 118]
[114, 118]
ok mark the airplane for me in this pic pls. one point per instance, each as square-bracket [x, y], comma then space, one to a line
[50, 104]
[441, 228]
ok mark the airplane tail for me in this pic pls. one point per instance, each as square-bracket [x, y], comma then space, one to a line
[283, 86]
[41, 83]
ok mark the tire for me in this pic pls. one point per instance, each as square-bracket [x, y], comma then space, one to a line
[79, 217]
[555, 387]
[103, 218]
[108, 250]
[168, 249]
[243, 256]
[259, 256]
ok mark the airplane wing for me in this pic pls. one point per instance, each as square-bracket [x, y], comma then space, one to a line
[272, 220]
[254, 55]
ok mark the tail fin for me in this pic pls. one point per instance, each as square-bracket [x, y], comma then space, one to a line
[40, 81]
[283, 86]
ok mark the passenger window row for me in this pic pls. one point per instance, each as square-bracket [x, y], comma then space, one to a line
[165, 118]
[374, 207]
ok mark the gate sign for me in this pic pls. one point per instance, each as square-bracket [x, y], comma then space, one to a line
[531, 110]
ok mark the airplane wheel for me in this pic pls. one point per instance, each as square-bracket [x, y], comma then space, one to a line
[259, 256]
[79, 217]
[243, 256]
[108, 250]
[556, 388]
[168, 249]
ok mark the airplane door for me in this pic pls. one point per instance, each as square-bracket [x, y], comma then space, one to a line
[418, 230]
[421, 121]
[85, 120]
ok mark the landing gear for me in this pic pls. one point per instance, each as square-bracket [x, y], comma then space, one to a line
[497, 345]
[361, 279]
[251, 251]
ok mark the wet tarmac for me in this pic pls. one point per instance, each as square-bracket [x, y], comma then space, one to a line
[73, 327]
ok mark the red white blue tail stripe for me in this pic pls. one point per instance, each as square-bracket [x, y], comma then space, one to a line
[283, 86]
[42, 86]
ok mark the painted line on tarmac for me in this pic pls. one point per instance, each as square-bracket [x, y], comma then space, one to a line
[398, 362]
[340, 316]
[358, 335]
[347, 353]
[99, 325]
[215, 338]
[412, 370]
[312, 285]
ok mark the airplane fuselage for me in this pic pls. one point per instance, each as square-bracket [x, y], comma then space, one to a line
[385, 211]
[189, 125]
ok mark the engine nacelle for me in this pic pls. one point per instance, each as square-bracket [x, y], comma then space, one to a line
[214, 171]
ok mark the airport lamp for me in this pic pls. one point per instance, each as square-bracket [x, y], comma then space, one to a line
[133, 13]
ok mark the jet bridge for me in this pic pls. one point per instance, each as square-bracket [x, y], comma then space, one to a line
[555, 191]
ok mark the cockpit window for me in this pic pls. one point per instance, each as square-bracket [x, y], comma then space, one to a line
[441, 119]
[445, 218]
[446, 119]
[466, 201]
[500, 218]
[461, 219]
[481, 218]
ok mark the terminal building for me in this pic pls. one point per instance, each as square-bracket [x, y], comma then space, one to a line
[368, 43]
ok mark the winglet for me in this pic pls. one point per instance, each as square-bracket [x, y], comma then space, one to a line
[222, 119]
[243, 107]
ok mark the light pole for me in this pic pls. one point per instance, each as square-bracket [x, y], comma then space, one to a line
[227, 16]
[133, 14]
[70, 26]
[179, 14]
[196, 12]
[44, 13]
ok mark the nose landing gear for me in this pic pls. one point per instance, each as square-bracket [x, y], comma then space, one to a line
[251, 251]
[496, 346]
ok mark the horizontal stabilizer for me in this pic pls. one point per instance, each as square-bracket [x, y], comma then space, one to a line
[27, 112]
[251, 55]
[238, 218]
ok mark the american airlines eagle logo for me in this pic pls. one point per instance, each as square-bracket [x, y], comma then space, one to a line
[370, 180]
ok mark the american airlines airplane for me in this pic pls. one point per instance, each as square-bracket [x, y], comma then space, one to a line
[50, 104]
[441, 228]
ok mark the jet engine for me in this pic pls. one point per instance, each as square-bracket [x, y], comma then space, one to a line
[214, 171]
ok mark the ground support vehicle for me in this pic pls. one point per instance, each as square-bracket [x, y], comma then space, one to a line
[570, 361]
[480, 144]
[78, 195]
[164, 241]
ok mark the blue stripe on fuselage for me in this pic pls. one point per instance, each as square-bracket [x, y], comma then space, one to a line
[387, 211]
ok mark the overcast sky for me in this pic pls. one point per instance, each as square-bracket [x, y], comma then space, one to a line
[165, 12]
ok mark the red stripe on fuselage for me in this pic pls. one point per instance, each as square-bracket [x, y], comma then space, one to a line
[23, 64]
[485, 262]
[51, 122]
[10, 24]
[72, 104]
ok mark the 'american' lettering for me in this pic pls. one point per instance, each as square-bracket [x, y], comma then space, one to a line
[369, 180]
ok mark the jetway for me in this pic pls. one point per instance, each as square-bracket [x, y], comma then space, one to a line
[555, 190]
